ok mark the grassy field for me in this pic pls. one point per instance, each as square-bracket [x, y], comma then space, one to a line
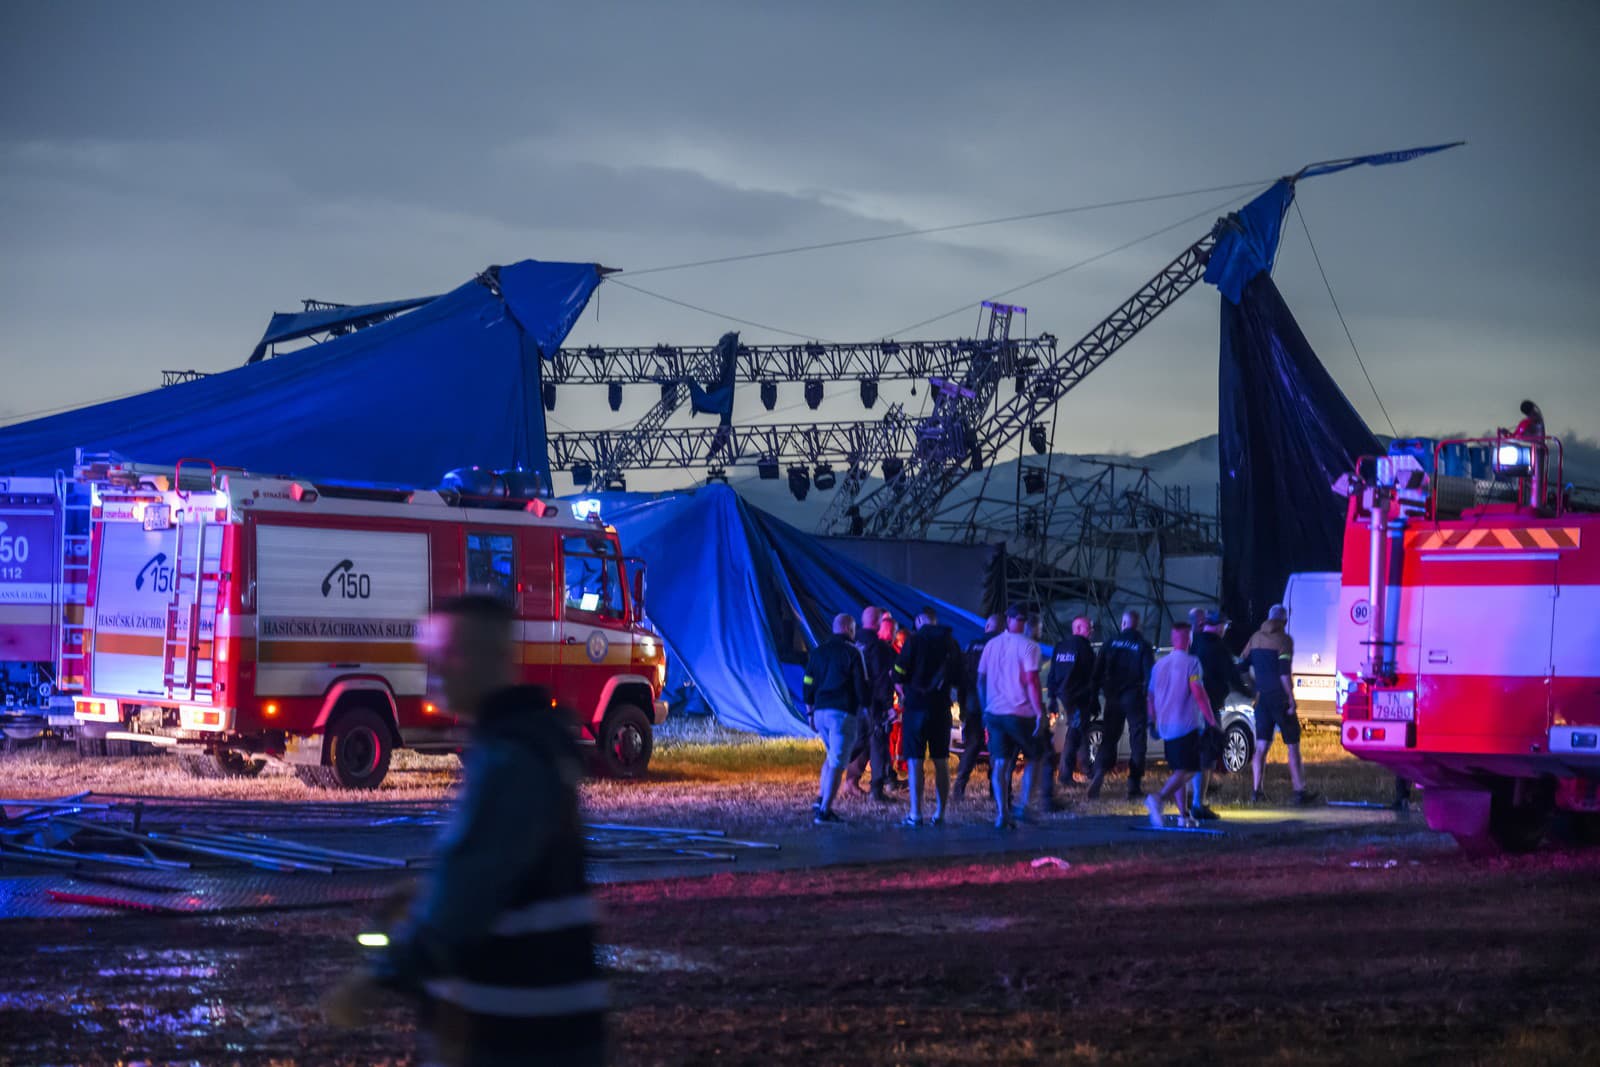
[700, 776]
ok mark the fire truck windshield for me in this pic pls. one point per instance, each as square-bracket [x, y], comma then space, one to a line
[593, 580]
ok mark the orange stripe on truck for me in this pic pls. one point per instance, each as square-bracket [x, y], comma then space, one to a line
[338, 652]
[137, 645]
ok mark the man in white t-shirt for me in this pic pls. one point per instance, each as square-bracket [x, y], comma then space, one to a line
[1013, 712]
[1179, 711]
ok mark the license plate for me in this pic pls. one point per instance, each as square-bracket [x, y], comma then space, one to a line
[1394, 705]
[1314, 681]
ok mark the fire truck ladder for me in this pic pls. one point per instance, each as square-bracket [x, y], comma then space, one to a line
[72, 592]
[182, 647]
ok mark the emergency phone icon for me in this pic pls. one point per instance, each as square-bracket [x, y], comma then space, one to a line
[352, 586]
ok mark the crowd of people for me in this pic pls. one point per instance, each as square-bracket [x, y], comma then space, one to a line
[865, 681]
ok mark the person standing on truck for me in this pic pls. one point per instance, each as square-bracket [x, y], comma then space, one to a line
[1270, 654]
[834, 692]
[877, 715]
[1122, 675]
[972, 733]
[1220, 675]
[499, 948]
[1071, 692]
[1180, 709]
[927, 673]
[1013, 712]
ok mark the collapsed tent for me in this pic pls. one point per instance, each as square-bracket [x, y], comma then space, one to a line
[740, 598]
[1286, 431]
[454, 382]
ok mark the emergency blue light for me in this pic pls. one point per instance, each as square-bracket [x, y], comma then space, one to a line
[586, 509]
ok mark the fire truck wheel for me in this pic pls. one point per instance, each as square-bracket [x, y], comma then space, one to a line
[1518, 824]
[220, 763]
[1237, 747]
[626, 742]
[359, 749]
[89, 747]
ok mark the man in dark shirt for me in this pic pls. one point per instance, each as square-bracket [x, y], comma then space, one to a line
[928, 674]
[972, 736]
[1122, 674]
[1220, 676]
[835, 691]
[1071, 691]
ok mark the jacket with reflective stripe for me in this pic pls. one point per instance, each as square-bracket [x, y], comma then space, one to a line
[502, 944]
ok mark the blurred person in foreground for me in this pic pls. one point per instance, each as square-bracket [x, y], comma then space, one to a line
[499, 948]
[835, 691]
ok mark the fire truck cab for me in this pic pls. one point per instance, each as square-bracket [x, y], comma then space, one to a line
[1469, 643]
[275, 618]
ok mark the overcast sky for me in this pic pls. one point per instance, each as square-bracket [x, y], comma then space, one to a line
[170, 174]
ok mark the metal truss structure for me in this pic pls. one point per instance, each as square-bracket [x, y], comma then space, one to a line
[1096, 538]
[641, 448]
[963, 435]
[814, 361]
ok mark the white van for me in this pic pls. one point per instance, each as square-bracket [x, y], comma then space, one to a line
[1313, 602]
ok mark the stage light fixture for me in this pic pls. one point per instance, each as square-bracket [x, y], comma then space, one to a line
[549, 396]
[582, 474]
[823, 477]
[1039, 438]
[892, 467]
[799, 482]
[1032, 480]
[717, 474]
[769, 395]
[616, 483]
[869, 392]
[767, 469]
[814, 393]
[614, 395]
[669, 392]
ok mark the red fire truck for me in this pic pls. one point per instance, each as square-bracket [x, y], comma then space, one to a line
[1470, 634]
[267, 618]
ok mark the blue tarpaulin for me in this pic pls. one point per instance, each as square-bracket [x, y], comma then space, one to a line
[740, 598]
[293, 325]
[453, 383]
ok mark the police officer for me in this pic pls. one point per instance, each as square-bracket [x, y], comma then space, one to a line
[1122, 674]
[972, 736]
[1071, 691]
[877, 657]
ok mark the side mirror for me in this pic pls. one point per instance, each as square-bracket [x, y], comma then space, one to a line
[636, 572]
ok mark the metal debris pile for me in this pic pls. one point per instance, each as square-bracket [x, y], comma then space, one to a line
[76, 833]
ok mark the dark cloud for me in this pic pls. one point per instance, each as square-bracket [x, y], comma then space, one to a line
[171, 173]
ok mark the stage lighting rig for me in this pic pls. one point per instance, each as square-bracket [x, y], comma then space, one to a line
[799, 482]
[814, 393]
[614, 395]
[823, 477]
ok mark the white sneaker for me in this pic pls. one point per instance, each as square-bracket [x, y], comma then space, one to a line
[1188, 822]
[1153, 806]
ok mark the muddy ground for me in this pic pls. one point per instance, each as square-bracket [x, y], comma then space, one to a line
[1351, 948]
